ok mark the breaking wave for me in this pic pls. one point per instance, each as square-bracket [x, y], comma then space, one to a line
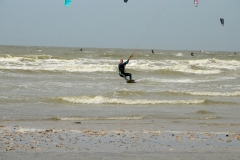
[223, 94]
[135, 93]
[50, 63]
[106, 100]
[39, 63]
[100, 118]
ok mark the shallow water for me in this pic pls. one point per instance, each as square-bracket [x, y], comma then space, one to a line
[65, 84]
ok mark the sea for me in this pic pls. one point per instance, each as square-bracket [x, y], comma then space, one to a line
[74, 85]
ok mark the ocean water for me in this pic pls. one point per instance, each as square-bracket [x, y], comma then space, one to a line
[66, 84]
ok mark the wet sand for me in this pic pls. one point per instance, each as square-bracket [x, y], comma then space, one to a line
[89, 140]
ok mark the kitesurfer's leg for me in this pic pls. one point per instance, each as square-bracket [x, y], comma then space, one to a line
[128, 74]
[124, 76]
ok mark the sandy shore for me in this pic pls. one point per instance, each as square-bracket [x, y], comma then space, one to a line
[89, 140]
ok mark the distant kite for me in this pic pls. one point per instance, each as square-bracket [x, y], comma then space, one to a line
[195, 3]
[222, 21]
[67, 2]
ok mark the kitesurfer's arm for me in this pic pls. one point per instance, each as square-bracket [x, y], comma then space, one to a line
[123, 64]
[128, 59]
[131, 56]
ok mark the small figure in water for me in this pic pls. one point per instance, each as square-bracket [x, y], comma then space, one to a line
[121, 67]
[152, 51]
[222, 21]
[192, 54]
[81, 49]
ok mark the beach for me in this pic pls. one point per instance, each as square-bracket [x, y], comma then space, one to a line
[121, 139]
[63, 103]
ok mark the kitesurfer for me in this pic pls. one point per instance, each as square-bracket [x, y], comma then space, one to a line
[121, 67]
[192, 54]
[152, 51]
[222, 21]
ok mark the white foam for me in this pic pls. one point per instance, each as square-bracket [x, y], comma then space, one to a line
[181, 80]
[179, 55]
[74, 65]
[202, 66]
[167, 80]
[216, 64]
[20, 129]
[170, 65]
[195, 132]
[224, 94]
[100, 118]
[106, 100]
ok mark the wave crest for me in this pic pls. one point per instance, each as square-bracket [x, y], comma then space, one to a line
[99, 118]
[50, 63]
[106, 100]
[223, 94]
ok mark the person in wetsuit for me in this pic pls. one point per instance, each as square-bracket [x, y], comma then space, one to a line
[121, 67]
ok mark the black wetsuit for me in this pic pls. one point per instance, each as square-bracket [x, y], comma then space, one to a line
[122, 72]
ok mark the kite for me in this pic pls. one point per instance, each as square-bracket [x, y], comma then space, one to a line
[67, 2]
[196, 3]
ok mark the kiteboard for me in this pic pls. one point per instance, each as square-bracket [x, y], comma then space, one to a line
[131, 81]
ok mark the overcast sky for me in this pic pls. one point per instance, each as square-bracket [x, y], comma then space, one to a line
[146, 24]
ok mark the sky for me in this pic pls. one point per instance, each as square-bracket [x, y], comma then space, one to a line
[138, 24]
